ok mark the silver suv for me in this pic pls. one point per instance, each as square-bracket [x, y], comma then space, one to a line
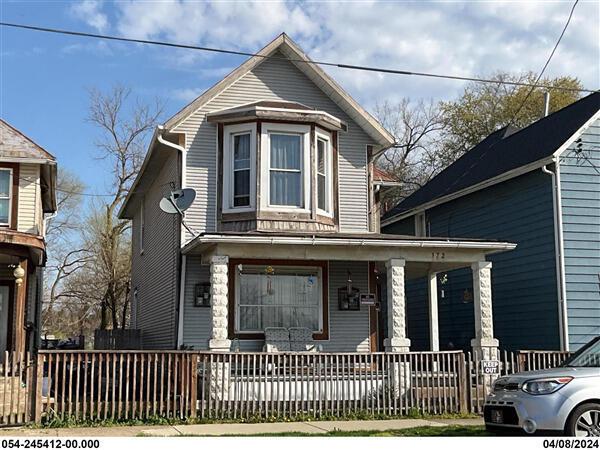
[564, 400]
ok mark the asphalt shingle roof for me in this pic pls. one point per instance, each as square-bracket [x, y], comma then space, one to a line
[504, 150]
[14, 144]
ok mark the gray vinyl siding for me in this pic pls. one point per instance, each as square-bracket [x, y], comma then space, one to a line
[274, 79]
[524, 291]
[348, 330]
[154, 272]
[580, 198]
[196, 320]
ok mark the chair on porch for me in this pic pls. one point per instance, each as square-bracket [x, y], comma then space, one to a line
[277, 339]
[301, 340]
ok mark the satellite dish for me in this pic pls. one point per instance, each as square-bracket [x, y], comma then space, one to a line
[178, 201]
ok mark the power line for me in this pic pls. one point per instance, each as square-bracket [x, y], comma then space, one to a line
[484, 153]
[319, 63]
[547, 62]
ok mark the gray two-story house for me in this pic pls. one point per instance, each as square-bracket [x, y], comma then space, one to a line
[284, 228]
[540, 188]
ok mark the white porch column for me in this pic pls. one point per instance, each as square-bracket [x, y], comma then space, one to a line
[434, 332]
[396, 303]
[484, 343]
[219, 283]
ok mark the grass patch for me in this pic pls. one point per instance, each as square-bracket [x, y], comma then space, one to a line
[451, 430]
[54, 421]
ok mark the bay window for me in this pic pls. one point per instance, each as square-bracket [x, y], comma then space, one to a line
[285, 156]
[239, 167]
[285, 172]
[241, 170]
[324, 169]
[278, 296]
[5, 196]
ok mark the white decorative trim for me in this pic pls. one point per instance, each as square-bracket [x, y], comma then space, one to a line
[324, 136]
[228, 132]
[265, 162]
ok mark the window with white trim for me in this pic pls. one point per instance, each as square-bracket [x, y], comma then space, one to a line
[285, 167]
[5, 196]
[324, 170]
[285, 170]
[278, 296]
[239, 167]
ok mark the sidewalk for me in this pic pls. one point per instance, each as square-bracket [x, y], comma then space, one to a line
[226, 429]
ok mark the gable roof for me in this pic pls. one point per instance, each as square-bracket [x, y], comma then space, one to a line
[15, 145]
[501, 152]
[291, 50]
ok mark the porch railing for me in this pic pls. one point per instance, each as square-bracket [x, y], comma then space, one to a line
[131, 384]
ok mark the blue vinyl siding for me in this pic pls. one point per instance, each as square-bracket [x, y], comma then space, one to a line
[524, 289]
[580, 197]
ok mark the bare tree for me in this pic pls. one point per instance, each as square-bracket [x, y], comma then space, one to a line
[66, 255]
[416, 127]
[124, 125]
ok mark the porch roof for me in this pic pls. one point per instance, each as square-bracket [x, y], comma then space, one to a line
[431, 253]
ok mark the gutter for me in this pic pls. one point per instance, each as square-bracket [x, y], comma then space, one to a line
[279, 240]
[182, 261]
[563, 319]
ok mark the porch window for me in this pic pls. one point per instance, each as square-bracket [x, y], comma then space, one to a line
[278, 296]
[286, 170]
[5, 196]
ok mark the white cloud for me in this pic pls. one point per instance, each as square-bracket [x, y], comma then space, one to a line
[90, 11]
[470, 38]
[186, 95]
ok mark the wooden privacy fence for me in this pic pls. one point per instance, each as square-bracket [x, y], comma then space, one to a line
[128, 384]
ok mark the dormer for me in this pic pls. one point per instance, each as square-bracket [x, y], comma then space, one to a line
[278, 167]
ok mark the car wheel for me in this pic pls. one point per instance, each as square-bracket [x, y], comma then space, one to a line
[584, 421]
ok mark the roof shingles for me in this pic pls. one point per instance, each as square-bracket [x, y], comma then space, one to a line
[502, 151]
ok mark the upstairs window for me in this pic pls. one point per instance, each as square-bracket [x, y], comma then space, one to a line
[241, 170]
[324, 170]
[5, 196]
[239, 167]
[286, 170]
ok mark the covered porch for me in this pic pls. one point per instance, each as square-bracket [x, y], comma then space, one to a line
[21, 255]
[394, 259]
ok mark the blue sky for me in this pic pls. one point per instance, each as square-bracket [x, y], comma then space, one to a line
[44, 78]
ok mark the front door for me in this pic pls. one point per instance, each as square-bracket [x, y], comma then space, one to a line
[4, 306]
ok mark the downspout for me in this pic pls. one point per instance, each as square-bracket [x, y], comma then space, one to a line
[182, 263]
[563, 321]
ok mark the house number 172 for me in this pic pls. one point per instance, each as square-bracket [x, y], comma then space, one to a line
[438, 255]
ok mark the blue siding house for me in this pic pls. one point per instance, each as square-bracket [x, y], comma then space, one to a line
[540, 188]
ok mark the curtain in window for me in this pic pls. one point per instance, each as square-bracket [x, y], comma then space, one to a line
[4, 195]
[288, 298]
[322, 202]
[286, 170]
[241, 170]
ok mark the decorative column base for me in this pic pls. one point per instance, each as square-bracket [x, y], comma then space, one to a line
[398, 345]
[216, 345]
[485, 349]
